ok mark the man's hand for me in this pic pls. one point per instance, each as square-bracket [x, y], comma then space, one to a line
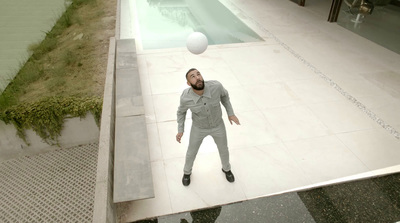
[234, 119]
[179, 137]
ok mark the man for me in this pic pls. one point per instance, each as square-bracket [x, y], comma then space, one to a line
[203, 99]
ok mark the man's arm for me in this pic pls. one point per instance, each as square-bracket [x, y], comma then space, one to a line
[234, 119]
[179, 136]
[225, 100]
[181, 117]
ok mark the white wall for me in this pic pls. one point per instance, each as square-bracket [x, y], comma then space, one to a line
[76, 131]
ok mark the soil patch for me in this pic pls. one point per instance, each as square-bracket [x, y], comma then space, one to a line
[77, 66]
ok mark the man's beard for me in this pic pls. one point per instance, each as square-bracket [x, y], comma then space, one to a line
[194, 86]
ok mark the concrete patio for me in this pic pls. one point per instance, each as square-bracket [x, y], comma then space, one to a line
[316, 103]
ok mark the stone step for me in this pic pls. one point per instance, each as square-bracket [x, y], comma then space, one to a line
[132, 168]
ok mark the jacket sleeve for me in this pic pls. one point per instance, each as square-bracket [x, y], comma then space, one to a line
[225, 100]
[181, 115]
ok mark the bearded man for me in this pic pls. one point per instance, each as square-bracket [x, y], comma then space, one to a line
[204, 99]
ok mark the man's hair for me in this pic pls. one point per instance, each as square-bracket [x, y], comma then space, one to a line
[190, 70]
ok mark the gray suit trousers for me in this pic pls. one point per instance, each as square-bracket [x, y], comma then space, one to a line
[196, 138]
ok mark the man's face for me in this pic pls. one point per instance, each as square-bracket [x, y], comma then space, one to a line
[195, 80]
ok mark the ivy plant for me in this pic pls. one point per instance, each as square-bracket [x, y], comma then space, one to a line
[46, 116]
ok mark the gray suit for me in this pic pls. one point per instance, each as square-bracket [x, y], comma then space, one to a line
[207, 120]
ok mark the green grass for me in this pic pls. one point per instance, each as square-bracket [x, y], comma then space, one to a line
[59, 70]
[70, 57]
[28, 73]
[33, 69]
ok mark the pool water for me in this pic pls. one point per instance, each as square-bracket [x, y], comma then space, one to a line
[168, 23]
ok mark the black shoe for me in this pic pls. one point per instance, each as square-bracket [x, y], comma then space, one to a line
[186, 179]
[229, 176]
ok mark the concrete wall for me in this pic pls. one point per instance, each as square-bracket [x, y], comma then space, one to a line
[104, 208]
[76, 131]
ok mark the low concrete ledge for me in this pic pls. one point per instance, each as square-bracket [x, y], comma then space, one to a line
[76, 131]
[104, 208]
[132, 168]
[133, 176]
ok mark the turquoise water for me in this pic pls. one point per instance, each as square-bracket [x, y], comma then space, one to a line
[168, 23]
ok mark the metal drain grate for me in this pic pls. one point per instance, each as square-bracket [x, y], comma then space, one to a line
[52, 187]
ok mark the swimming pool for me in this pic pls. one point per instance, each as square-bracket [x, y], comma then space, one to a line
[167, 23]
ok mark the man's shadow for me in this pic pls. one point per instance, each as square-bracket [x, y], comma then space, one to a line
[204, 216]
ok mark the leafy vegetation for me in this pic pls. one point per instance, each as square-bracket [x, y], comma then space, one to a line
[46, 116]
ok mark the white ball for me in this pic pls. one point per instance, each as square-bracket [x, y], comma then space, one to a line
[197, 43]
